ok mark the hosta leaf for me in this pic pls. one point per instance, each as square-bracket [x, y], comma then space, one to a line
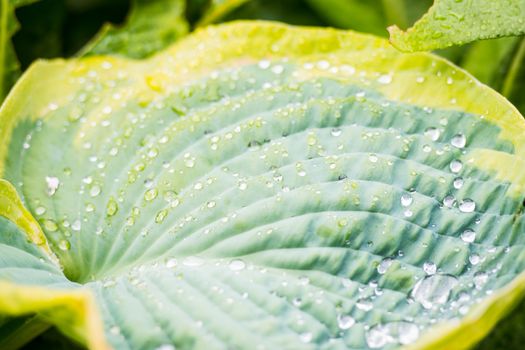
[32, 282]
[260, 185]
[151, 26]
[453, 22]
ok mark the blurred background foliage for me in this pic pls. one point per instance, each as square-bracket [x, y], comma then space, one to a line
[64, 28]
[139, 28]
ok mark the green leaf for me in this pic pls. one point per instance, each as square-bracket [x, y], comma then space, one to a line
[366, 16]
[488, 60]
[9, 66]
[453, 22]
[152, 25]
[264, 185]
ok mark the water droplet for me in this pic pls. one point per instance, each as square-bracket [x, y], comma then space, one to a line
[40, 210]
[378, 336]
[456, 166]
[467, 205]
[114, 330]
[50, 225]
[480, 279]
[373, 158]
[458, 141]
[189, 163]
[474, 259]
[363, 304]
[64, 245]
[432, 133]
[335, 132]
[384, 265]
[345, 321]
[264, 64]
[429, 267]
[297, 302]
[161, 215]
[303, 280]
[468, 236]
[171, 263]
[237, 265]
[52, 185]
[384, 79]
[166, 347]
[433, 290]
[95, 190]
[449, 201]
[76, 226]
[151, 194]
[408, 333]
[242, 185]
[211, 204]
[306, 337]
[112, 208]
[193, 261]
[406, 199]
[458, 183]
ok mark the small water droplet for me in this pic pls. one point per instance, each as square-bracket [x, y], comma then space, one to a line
[480, 279]
[40, 210]
[242, 185]
[384, 79]
[377, 337]
[161, 215]
[76, 226]
[406, 199]
[64, 245]
[345, 321]
[189, 163]
[306, 337]
[449, 201]
[458, 141]
[112, 208]
[171, 263]
[211, 204]
[114, 330]
[467, 205]
[151, 194]
[237, 265]
[432, 133]
[335, 132]
[373, 158]
[458, 183]
[363, 304]
[384, 265]
[474, 259]
[192, 261]
[429, 267]
[95, 190]
[456, 166]
[468, 236]
[50, 225]
[52, 185]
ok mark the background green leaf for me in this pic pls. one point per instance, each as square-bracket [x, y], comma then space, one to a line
[453, 22]
[150, 27]
[9, 66]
